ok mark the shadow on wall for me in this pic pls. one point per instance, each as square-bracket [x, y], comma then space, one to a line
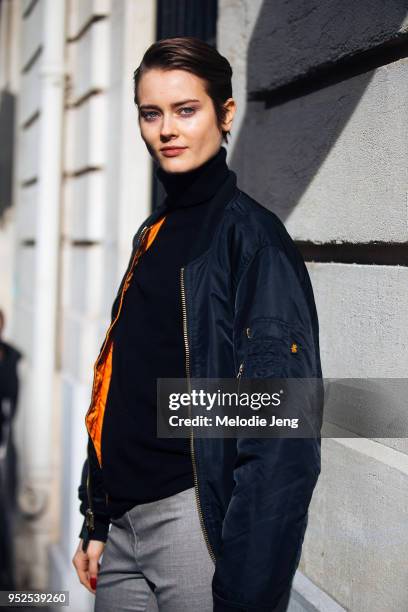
[308, 65]
[7, 114]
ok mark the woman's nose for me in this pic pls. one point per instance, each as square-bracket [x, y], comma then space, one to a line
[168, 126]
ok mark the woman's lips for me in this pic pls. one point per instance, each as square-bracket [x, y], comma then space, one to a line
[173, 152]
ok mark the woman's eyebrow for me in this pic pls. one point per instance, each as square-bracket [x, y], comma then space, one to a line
[143, 106]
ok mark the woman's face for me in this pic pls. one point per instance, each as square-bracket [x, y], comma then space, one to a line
[176, 111]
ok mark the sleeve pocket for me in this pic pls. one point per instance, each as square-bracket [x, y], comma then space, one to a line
[275, 349]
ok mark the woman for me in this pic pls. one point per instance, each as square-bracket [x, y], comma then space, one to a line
[214, 288]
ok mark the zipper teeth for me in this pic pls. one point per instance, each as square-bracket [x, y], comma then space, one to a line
[89, 516]
[124, 287]
[185, 334]
[195, 477]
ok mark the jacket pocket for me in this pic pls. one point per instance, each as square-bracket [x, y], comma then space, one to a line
[276, 349]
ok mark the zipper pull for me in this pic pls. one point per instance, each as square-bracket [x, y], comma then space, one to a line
[239, 375]
[89, 520]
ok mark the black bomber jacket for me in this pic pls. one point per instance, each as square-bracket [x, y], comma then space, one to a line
[252, 494]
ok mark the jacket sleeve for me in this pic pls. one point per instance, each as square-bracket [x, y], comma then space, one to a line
[266, 518]
[101, 516]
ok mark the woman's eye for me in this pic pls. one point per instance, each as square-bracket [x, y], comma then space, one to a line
[187, 108]
[148, 115]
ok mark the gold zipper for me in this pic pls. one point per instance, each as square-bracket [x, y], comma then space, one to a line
[187, 353]
[89, 515]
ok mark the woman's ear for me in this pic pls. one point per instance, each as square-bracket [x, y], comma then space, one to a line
[230, 107]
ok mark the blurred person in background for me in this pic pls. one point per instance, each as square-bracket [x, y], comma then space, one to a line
[216, 288]
[9, 358]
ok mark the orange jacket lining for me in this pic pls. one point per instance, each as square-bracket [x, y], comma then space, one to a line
[103, 364]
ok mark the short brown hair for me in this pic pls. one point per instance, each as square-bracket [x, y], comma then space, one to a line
[195, 56]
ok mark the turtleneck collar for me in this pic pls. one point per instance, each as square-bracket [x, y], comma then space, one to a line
[195, 186]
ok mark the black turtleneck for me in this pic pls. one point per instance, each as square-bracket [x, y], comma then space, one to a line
[138, 467]
[198, 185]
